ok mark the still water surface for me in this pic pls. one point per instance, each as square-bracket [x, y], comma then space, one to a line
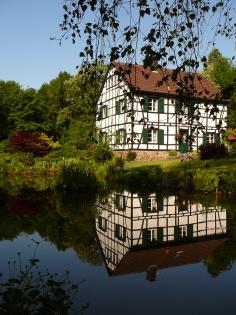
[137, 253]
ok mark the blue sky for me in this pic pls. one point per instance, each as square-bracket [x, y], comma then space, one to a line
[28, 56]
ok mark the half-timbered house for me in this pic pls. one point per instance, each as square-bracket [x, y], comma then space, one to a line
[146, 110]
[176, 231]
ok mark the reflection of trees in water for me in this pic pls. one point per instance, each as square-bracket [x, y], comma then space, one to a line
[67, 220]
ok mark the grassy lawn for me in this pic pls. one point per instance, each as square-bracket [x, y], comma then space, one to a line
[227, 163]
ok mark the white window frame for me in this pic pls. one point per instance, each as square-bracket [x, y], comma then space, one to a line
[121, 232]
[152, 203]
[121, 136]
[104, 112]
[152, 135]
[121, 201]
[111, 256]
[122, 105]
[184, 231]
[153, 235]
[152, 104]
[103, 223]
[210, 137]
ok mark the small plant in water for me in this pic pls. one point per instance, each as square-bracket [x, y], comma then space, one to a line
[30, 291]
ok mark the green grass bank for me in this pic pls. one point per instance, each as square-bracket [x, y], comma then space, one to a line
[22, 171]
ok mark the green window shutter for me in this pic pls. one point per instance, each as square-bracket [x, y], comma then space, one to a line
[125, 103]
[100, 222]
[145, 135]
[116, 230]
[117, 107]
[205, 141]
[124, 234]
[177, 233]
[117, 137]
[125, 136]
[177, 106]
[160, 136]
[217, 138]
[145, 107]
[145, 237]
[161, 105]
[190, 231]
[100, 113]
[160, 235]
[160, 204]
[144, 205]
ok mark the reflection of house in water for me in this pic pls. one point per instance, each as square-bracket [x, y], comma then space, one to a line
[152, 232]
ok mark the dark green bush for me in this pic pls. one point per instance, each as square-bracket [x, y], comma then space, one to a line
[79, 176]
[131, 156]
[212, 151]
[103, 153]
[206, 180]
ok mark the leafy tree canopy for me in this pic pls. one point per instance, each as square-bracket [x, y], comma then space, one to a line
[221, 71]
[163, 33]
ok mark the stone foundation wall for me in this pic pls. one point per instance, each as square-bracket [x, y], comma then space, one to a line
[152, 155]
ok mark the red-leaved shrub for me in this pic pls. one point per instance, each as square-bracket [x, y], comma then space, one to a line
[35, 142]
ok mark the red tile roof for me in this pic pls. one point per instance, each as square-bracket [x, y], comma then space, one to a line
[162, 81]
[166, 257]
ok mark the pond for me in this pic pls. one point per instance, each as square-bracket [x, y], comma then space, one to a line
[130, 252]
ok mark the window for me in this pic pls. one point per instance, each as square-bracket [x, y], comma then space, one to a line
[111, 256]
[103, 112]
[153, 235]
[152, 135]
[210, 137]
[183, 231]
[121, 136]
[120, 202]
[102, 223]
[181, 204]
[121, 106]
[120, 232]
[152, 204]
[152, 104]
